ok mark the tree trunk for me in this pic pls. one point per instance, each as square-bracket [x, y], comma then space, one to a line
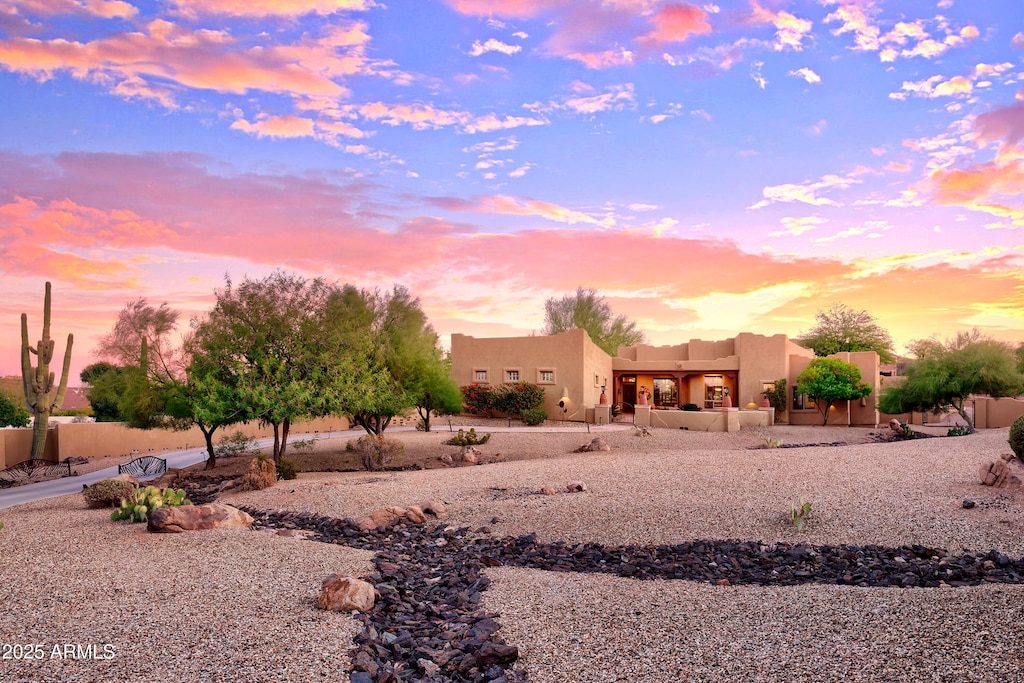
[39, 429]
[425, 416]
[277, 440]
[285, 427]
[963, 413]
[211, 462]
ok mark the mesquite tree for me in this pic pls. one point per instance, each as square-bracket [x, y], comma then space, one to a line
[41, 395]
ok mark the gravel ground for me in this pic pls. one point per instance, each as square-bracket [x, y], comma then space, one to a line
[220, 605]
[237, 606]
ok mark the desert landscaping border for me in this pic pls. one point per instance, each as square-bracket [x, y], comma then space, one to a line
[428, 624]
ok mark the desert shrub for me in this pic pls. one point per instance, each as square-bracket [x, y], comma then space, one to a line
[470, 438]
[1017, 437]
[377, 452]
[108, 493]
[1, 526]
[533, 417]
[799, 514]
[691, 407]
[261, 475]
[958, 430]
[137, 507]
[236, 444]
[513, 399]
[304, 445]
[286, 469]
[478, 399]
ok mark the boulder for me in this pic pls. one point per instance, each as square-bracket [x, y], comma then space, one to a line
[434, 508]
[124, 476]
[197, 517]
[446, 458]
[387, 516]
[547, 491]
[364, 523]
[415, 514]
[998, 474]
[470, 454]
[345, 594]
[576, 487]
[894, 425]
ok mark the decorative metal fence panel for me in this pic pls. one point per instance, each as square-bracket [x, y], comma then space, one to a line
[146, 466]
[35, 470]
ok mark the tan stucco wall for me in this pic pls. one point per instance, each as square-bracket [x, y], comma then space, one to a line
[709, 420]
[843, 412]
[710, 350]
[101, 439]
[574, 358]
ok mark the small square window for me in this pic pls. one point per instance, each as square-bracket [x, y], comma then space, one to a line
[512, 375]
[479, 375]
[547, 375]
[799, 400]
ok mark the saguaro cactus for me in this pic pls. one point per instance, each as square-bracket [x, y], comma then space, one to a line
[41, 396]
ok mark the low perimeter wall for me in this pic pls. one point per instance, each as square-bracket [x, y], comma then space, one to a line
[113, 439]
[703, 421]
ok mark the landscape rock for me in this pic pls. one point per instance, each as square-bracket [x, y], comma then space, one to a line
[434, 508]
[576, 487]
[998, 474]
[446, 458]
[547, 491]
[894, 425]
[387, 516]
[364, 523]
[197, 518]
[415, 514]
[345, 594]
[470, 454]
[596, 444]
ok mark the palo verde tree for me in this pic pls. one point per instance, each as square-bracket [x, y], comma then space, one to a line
[842, 328]
[827, 380]
[269, 334]
[588, 311]
[947, 373]
[401, 361]
[42, 396]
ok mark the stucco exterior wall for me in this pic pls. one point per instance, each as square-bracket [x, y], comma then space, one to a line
[762, 359]
[572, 356]
[113, 439]
[710, 350]
[846, 413]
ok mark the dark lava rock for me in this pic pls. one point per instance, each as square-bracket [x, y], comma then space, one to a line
[429, 618]
[968, 503]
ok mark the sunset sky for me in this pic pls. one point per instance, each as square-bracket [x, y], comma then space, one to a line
[710, 168]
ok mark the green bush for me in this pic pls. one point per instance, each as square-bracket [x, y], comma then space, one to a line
[286, 469]
[470, 438]
[958, 430]
[377, 452]
[533, 417]
[138, 507]
[1017, 437]
[236, 444]
[108, 493]
[12, 411]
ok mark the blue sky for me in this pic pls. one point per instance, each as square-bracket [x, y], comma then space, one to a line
[710, 168]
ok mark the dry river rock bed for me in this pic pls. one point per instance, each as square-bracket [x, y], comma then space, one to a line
[429, 624]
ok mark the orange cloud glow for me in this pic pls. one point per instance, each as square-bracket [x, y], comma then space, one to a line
[675, 23]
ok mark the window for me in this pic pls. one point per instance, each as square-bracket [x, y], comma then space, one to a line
[799, 400]
[545, 376]
[479, 375]
[511, 375]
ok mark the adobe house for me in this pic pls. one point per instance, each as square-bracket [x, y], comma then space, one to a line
[725, 379]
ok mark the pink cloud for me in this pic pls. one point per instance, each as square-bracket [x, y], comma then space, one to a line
[268, 8]
[675, 23]
[1006, 123]
[104, 9]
